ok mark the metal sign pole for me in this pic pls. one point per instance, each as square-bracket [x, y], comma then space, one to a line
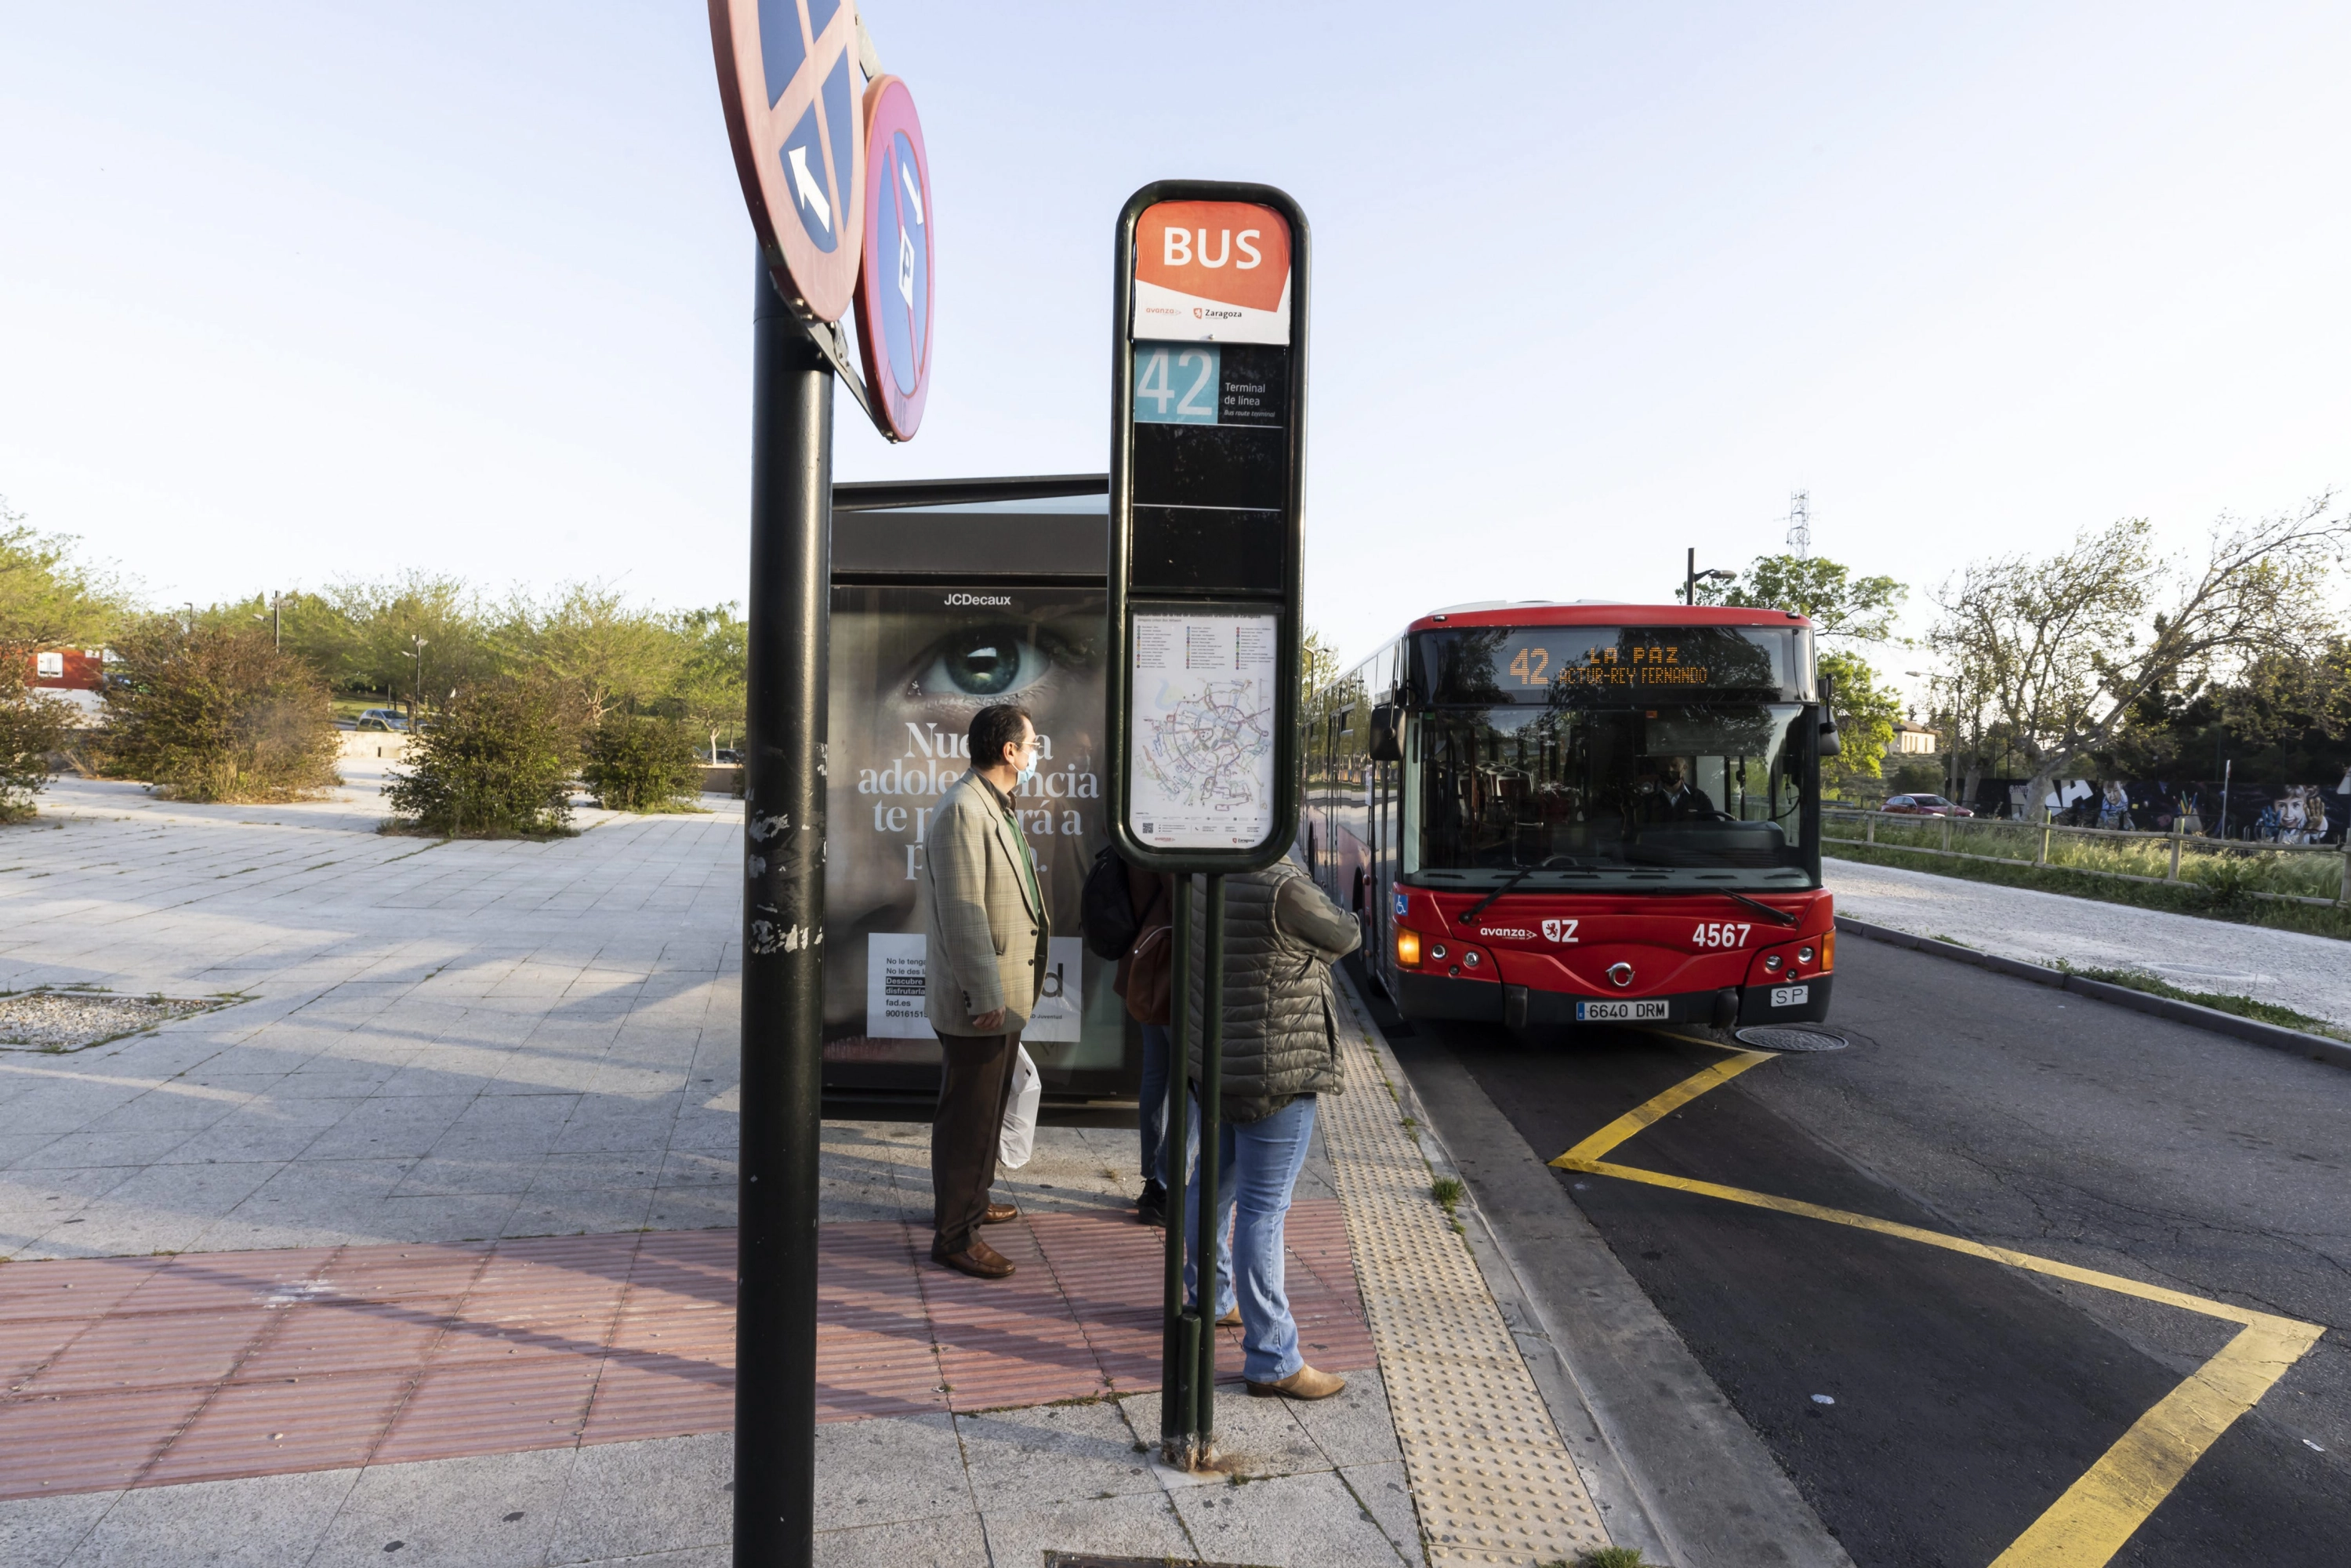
[839, 224]
[783, 927]
[1210, 1233]
[1206, 564]
[1179, 1337]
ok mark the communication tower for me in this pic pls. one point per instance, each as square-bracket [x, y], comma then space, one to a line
[1799, 524]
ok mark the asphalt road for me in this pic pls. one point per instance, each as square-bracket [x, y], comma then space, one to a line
[1968, 1397]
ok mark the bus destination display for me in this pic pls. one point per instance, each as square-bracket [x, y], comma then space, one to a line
[1203, 726]
[1509, 664]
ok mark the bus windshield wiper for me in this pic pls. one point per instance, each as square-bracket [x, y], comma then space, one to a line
[1782, 916]
[1515, 878]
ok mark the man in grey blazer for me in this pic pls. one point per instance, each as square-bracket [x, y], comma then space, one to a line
[986, 929]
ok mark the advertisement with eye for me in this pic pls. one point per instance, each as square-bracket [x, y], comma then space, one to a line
[910, 667]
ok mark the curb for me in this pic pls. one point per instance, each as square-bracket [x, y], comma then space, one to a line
[2317, 1047]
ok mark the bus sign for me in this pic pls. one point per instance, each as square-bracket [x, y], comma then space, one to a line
[1207, 524]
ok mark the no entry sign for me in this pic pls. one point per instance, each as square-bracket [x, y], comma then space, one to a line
[785, 79]
[895, 292]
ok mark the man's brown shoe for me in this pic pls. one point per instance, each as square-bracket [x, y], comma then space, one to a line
[980, 1260]
[997, 1213]
[1231, 1320]
[1304, 1383]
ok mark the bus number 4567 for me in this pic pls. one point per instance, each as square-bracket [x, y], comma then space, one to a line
[1720, 935]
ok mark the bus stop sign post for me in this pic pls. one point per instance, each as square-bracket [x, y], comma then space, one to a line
[1208, 527]
[799, 135]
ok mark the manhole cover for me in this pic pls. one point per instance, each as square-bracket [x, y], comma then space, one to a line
[1768, 1038]
[70, 1020]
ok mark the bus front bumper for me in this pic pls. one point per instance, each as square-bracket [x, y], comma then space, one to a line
[1485, 1001]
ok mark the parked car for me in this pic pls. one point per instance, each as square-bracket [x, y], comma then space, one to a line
[381, 719]
[1924, 806]
[728, 754]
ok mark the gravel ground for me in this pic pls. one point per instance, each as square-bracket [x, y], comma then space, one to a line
[2309, 974]
[68, 1021]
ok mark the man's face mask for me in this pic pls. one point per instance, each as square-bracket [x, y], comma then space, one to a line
[1026, 756]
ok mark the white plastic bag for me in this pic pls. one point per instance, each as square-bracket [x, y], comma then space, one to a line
[1018, 1139]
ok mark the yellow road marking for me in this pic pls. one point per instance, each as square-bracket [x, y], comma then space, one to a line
[2087, 1525]
[2099, 1512]
[1649, 1111]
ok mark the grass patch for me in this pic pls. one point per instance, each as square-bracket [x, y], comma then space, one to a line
[2241, 1006]
[1605, 1557]
[1447, 1191]
[2174, 897]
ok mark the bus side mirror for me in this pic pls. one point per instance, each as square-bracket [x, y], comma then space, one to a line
[1383, 744]
[1831, 744]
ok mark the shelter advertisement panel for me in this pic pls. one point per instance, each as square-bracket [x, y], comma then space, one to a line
[910, 666]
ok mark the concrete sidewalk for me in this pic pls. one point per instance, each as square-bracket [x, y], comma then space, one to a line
[2309, 974]
[417, 1248]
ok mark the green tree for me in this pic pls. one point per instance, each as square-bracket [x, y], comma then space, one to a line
[640, 763]
[1840, 605]
[217, 712]
[2068, 649]
[1865, 713]
[33, 725]
[615, 656]
[713, 671]
[496, 763]
[363, 636]
[47, 598]
[1317, 665]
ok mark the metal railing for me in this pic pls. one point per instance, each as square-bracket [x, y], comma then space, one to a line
[2293, 874]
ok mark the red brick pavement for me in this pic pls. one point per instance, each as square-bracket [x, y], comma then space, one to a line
[148, 1371]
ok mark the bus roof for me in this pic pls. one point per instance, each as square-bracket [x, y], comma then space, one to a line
[1594, 613]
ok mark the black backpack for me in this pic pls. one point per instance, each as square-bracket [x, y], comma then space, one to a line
[1105, 911]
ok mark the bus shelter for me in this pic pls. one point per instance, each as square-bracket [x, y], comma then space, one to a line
[940, 608]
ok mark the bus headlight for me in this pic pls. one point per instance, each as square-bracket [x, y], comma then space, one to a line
[1772, 963]
[1408, 948]
[1803, 954]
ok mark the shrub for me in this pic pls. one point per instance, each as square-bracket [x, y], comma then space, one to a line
[32, 725]
[639, 764]
[218, 713]
[496, 764]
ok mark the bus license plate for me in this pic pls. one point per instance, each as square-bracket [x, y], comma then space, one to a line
[1619, 1012]
[1791, 996]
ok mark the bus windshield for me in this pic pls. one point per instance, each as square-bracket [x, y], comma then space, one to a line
[1699, 794]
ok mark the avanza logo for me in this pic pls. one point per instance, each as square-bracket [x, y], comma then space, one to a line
[1560, 930]
[1511, 931]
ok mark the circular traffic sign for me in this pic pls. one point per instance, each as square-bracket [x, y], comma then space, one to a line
[785, 81]
[895, 291]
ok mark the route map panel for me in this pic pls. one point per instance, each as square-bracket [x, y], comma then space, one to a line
[1203, 728]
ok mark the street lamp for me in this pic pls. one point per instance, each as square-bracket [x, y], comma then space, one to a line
[1692, 576]
[416, 702]
[277, 619]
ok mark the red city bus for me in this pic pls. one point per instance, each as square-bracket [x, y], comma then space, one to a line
[1578, 813]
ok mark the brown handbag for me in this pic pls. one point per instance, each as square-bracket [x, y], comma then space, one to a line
[1151, 976]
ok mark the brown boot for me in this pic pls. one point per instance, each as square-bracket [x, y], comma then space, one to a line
[980, 1260]
[997, 1213]
[1304, 1383]
[1231, 1320]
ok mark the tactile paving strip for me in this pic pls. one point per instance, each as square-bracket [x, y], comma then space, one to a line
[1492, 1480]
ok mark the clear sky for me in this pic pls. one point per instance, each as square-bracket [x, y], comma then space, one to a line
[295, 292]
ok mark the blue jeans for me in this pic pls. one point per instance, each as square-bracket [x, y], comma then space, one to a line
[1151, 1102]
[1258, 1164]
